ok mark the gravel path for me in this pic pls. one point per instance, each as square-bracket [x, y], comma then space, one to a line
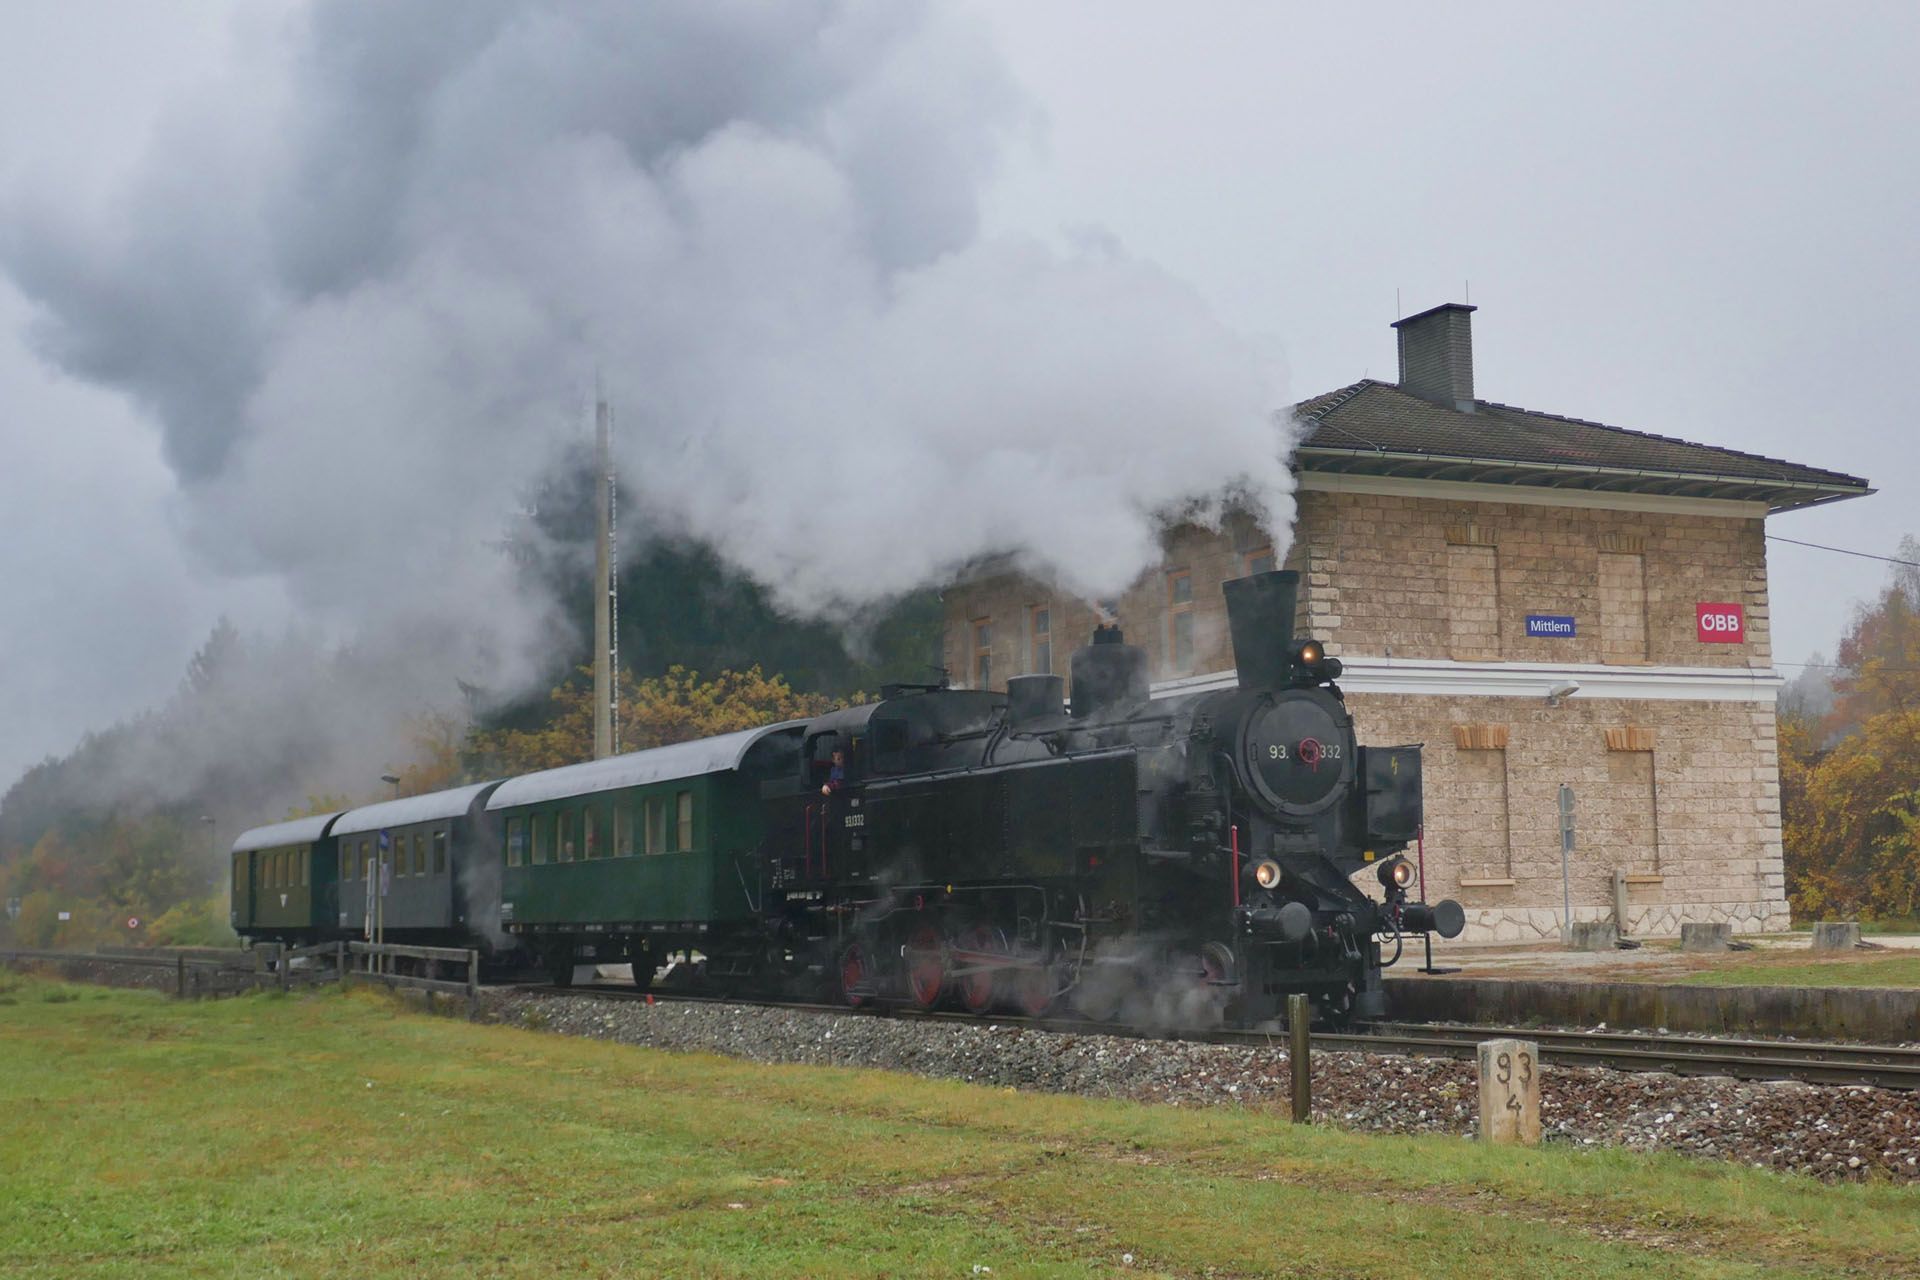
[1827, 1131]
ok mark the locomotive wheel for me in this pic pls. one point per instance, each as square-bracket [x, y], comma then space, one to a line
[1035, 986]
[856, 975]
[925, 958]
[1216, 964]
[987, 950]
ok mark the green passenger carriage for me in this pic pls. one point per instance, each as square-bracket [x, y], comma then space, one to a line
[284, 880]
[636, 856]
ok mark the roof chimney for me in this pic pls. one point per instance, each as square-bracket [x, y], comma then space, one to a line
[1436, 355]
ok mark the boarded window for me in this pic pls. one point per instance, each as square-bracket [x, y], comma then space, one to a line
[1632, 826]
[516, 841]
[683, 806]
[1623, 607]
[542, 836]
[1482, 842]
[439, 852]
[1473, 602]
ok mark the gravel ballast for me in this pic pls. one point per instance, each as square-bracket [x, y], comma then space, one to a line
[1828, 1131]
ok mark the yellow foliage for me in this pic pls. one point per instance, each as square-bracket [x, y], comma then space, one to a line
[675, 707]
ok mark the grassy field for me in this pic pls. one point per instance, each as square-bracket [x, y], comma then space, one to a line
[1796, 969]
[333, 1135]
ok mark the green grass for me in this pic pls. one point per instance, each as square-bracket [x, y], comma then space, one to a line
[333, 1135]
[1852, 970]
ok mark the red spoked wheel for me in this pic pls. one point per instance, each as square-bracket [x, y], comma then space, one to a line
[1216, 964]
[856, 976]
[925, 957]
[980, 956]
[1035, 985]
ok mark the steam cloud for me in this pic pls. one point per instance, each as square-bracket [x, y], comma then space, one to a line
[362, 283]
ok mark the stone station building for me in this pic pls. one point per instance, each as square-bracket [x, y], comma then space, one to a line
[1539, 600]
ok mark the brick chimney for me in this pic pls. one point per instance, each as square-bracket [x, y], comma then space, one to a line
[1436, 355]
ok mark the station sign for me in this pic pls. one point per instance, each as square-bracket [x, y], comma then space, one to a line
[1552, 626]
[1721, 623]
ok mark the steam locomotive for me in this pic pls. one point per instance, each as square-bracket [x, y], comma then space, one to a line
[1179, 860]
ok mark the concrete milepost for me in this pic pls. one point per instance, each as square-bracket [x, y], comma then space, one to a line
[1510, 1093]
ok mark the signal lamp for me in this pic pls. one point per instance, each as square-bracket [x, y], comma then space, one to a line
[1266, 873]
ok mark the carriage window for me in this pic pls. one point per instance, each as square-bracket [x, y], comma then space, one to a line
[542, 832]
[622, 830]
[419, 853]
[306, 857]
[516, 841]
[439, 852]
[563, 835]
[366, 859]
[656, 819]
[239, 876]
[684, 804]
[395, 854]
[589, 829]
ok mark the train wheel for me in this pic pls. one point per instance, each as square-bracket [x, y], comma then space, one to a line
[1216, 964]
[560, 965]
[984, 951]
[643, 968]
[1035, 986]
[856, 976]
[925, 956]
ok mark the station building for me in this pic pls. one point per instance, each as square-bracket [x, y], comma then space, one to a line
[1539, 600]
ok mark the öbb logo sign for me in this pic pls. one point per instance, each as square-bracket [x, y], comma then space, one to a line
[1721, 623]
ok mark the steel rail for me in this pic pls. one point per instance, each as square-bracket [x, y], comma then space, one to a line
[1810, 1062]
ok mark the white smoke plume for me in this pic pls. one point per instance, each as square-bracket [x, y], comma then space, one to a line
[362, 283]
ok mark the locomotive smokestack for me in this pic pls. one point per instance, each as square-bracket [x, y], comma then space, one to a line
[1260, 613]
[1108, 675]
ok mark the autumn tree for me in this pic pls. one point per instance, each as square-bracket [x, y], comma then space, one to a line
[676, 706]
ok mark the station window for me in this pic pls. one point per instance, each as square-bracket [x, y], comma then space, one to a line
[656, 822]
[683, 804]
[589, 830]
[516, 841]
[982, 653]
[542, 832]
[1180, 619]
[622, 830]
[563, 836]
[1040, 632]
[439, 852]
[1259, 561]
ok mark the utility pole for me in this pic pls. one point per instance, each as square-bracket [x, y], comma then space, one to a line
[604, 710]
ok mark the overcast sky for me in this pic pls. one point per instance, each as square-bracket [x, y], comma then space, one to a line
[1691, 220]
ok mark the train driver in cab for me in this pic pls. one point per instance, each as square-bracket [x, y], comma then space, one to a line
[836, 773]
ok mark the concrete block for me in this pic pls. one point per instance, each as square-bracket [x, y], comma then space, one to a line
[1836, 935]
[1510, 1093]
[1593, 935]
[1705, 936]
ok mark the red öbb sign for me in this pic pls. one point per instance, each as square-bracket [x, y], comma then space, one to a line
[1721, 623]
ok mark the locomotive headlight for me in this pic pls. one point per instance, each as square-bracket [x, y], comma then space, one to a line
[1310, 654]
[1396, 874]
[1266, 873]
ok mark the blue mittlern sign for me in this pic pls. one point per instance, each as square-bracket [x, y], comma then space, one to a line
[1552, 625]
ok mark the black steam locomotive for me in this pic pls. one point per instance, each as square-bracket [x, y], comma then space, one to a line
[1170, 860]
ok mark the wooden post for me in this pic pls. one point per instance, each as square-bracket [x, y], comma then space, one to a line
[473, 985]
[1299, 1029]
[1510, 1092]
[180, 977]
[340, 962]
[286, 970]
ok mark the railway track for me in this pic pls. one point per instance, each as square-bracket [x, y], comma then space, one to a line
[1813, 1062]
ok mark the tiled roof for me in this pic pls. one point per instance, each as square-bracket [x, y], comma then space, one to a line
[1376, 428]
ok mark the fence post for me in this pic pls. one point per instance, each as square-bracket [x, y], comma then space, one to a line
[180, 977]
[1299, 1028]
[340, 961]
[473, 984]
[286, 970]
